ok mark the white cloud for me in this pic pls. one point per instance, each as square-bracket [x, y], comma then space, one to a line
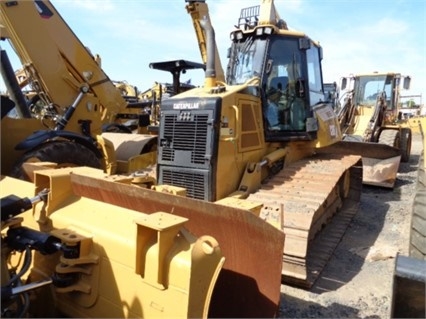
[91, 5]
[387, 44]
[385, 26]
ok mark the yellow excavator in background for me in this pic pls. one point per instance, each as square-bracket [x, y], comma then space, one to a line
[85, 113]
[370, 113]
[69, 60]
[199, 13]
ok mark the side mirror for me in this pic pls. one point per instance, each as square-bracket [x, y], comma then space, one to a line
[406, 83]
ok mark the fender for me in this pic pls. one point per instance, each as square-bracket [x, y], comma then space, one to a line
[41, 136]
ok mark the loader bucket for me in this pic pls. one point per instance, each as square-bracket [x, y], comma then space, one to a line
[380, 161]
[250, 280]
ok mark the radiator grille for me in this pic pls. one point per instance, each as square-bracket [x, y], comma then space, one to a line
[185, 138]
[194, 182]
[188, 136]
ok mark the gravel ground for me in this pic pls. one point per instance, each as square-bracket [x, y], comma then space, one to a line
[357, 282]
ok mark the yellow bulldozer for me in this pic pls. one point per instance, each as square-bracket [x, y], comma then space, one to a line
[224, 143]
[129, 264]
[246, 158]
[218, 143]
[370, 113]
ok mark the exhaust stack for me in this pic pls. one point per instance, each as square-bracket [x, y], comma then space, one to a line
[210, 75]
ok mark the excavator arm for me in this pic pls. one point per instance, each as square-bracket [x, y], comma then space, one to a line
[58, 64]
[71, 94]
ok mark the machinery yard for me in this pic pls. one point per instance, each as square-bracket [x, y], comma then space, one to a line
[357, 283]
[257, 194]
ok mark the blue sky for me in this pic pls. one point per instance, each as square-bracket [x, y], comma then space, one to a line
[356, 36]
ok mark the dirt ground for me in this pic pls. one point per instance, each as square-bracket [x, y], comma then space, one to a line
[357, 282]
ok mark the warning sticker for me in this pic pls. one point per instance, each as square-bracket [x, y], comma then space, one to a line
[326, 113]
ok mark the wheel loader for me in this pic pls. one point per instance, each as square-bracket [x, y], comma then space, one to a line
[409, 277]
[370, 113]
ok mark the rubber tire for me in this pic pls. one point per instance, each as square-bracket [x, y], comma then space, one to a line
[417, 248]
[64, 153]
[405, 144]
[390, 137]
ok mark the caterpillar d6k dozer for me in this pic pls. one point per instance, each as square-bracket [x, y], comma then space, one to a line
[75, 109]
[224, 143]
[370, 114]
[88, 258]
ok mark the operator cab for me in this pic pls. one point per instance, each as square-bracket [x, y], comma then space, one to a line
[369, 88]
[289, 67]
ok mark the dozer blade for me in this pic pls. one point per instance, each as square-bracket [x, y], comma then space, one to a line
[250, 281]
[380, 161]
[380, 172]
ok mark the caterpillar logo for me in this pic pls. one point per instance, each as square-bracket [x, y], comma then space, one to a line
[186, 106]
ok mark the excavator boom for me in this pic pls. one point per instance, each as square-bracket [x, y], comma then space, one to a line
[73, 102]
[70, 60]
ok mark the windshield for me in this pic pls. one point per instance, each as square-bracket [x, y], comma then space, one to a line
[284, 64]
[290, 79]
[371, 87]
[245, 60]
